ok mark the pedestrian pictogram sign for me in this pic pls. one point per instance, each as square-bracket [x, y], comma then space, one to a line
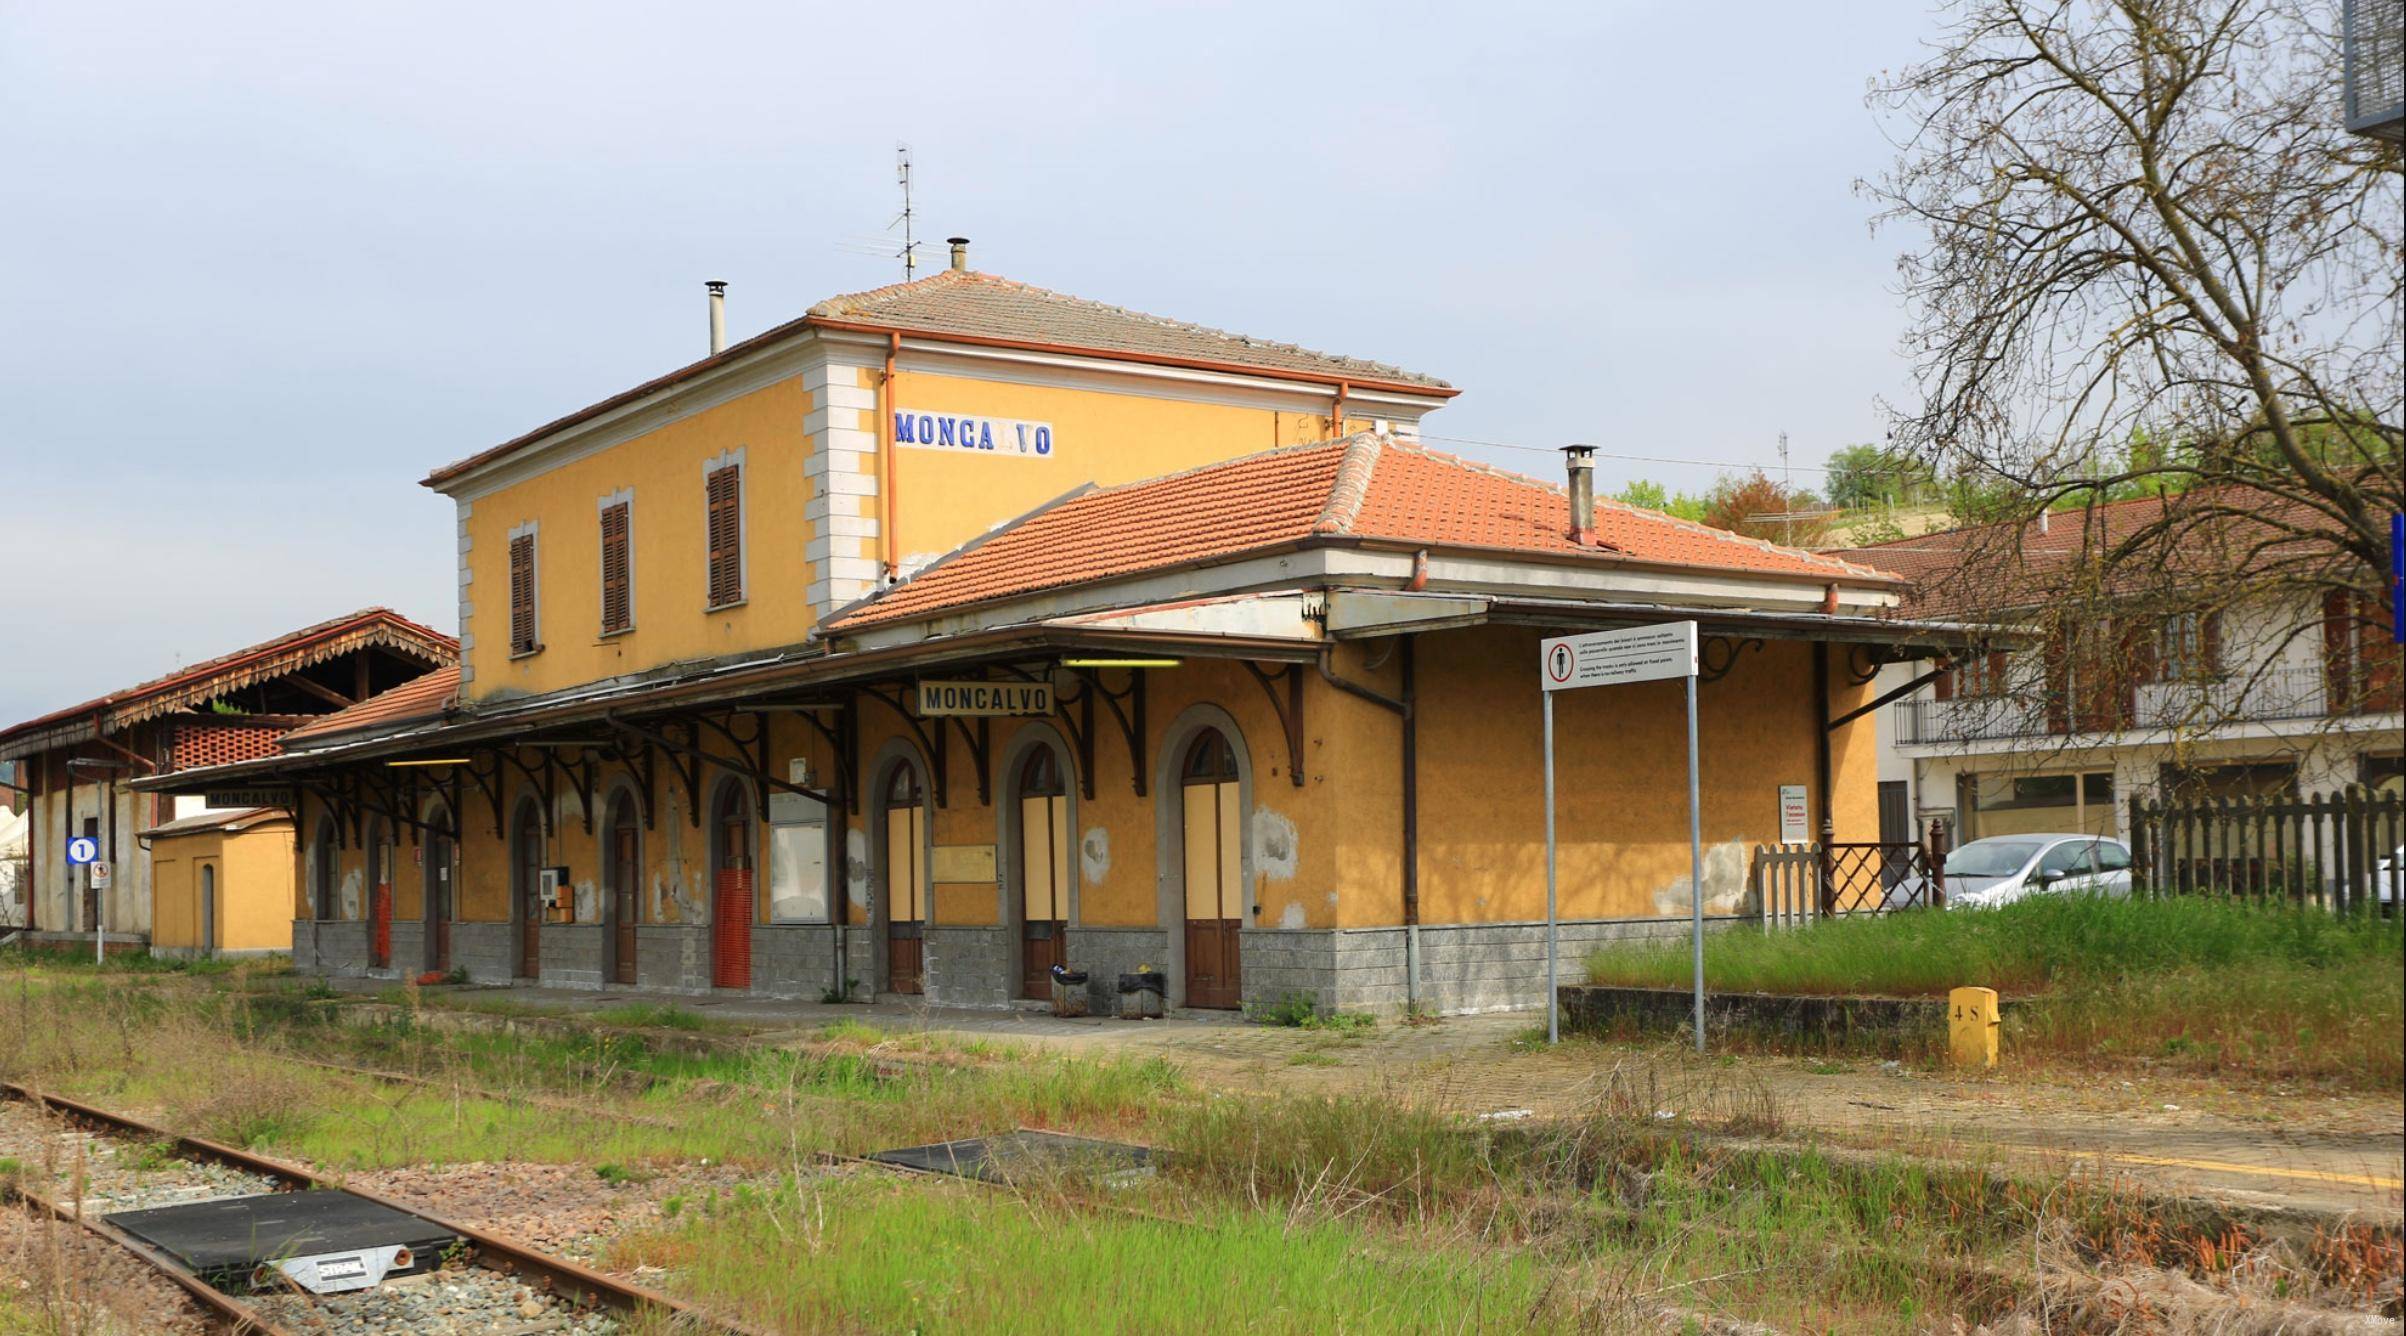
[100, 875]
[82, 849]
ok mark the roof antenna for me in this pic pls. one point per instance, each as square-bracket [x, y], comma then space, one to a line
[910, 246]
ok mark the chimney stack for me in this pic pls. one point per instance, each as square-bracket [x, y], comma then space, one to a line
[718, 315]
[1581, 460]
[960, 253]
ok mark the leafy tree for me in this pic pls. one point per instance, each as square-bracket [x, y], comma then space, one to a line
[1871, 475]
[1756, 505]
[1647, 494]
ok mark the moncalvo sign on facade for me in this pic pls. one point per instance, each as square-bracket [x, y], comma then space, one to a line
[985, 698]
[972, 434]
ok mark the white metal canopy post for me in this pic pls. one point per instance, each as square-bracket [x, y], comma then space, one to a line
[1616, 658]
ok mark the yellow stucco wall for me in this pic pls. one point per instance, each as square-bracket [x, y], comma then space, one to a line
[255, 870]
[1326, 853]
[944, 499]
[664, 470]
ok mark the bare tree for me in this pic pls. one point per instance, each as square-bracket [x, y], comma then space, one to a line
[2154, 260]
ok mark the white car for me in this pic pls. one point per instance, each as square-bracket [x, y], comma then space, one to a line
[2003, 868]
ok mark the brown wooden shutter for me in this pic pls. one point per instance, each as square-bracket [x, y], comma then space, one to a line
[724, 490]
[522, 594]
[2337, 633]
[617, 603]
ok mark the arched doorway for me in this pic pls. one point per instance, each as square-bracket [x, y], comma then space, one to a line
[526, 887]
[321, 870]
[903, 868]
[731, 845]
[1043, 815]
[436, 900]
[622, 863]
[380, 895]
[1211, 832]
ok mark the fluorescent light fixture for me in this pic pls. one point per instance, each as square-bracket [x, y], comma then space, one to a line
[437, 760]
[1123, 663]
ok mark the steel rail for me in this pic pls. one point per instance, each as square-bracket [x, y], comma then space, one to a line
[556, 1274]
[227, 1312]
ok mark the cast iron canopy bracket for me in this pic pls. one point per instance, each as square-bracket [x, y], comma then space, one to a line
[1289, 711]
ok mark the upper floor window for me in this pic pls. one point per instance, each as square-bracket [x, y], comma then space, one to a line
[723, 491]
[617, 566]
[2186, 647]
[1975, 676]
[522, 592]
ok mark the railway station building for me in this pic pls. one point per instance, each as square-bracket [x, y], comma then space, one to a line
[961, 629]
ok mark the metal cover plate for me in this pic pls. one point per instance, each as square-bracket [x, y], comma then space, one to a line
[1022, 1154]
[231, 1237]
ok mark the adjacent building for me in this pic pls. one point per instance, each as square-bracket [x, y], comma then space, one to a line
[78, 764]
[962, 629]
[2242, 683]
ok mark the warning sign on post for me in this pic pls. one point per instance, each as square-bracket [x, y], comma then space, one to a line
[1615, 658]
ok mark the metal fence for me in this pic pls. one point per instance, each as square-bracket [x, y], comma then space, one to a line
[2338, 850]
[1797, 884]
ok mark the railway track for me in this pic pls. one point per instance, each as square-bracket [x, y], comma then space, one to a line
[487, 1282]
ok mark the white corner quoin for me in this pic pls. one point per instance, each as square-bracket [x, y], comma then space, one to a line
[1610, 659]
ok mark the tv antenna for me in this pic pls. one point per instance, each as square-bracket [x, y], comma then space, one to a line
[903, 220]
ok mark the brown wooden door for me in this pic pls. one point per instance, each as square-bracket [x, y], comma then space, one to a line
[527, 871]
[1212, 826]
[905, 868]
[626, 874]
[731, 906]
[380, 900]
[438, 902]
[1043, 872]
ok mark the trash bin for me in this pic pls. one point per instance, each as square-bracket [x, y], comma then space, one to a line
[1069, 991]
[1140, 995]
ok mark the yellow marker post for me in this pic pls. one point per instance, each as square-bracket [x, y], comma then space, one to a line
[1972, 1027]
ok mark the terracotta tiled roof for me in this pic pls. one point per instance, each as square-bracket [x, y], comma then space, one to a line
[190, 746]
[1359, 487]
[1988, 569]
[983, 308]
[966, 302]
[419, 698]
[228, 672]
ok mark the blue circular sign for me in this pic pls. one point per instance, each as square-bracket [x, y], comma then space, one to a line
[83, 849]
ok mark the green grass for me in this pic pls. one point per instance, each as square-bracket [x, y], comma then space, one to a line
[660, 1015]
[878, 1254]
[2197, 984]
[2017, 949]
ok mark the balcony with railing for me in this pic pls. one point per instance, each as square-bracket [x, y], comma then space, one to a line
[2276, 695]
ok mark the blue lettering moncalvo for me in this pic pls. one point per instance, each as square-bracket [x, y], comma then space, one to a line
[903, 422]
[985, 436]
[927, 430]
[944, 428]
[1044, 440]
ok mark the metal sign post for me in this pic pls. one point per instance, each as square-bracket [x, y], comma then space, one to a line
[83, 851]
[1616, 658]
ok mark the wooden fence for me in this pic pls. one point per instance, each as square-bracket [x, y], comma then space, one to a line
[2337, 850]
[1795, 884]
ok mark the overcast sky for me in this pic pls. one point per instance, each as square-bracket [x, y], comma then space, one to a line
[261, 267]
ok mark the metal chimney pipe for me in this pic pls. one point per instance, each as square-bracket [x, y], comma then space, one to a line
[1581, 461]
[960, 252]
[718, 315]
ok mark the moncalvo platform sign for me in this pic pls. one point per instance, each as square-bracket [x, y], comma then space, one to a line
[916, 430]
[985, 698]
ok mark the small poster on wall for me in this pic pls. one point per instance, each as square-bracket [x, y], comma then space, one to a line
[1795, 821]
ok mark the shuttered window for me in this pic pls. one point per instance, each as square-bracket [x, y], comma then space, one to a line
[617, 588]
[522, 595]
[723, 488]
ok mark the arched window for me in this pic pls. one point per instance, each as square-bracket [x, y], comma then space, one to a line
[622, 855]
[905, 874]
[1212, 833]
[526, 886]
[1043, 870]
